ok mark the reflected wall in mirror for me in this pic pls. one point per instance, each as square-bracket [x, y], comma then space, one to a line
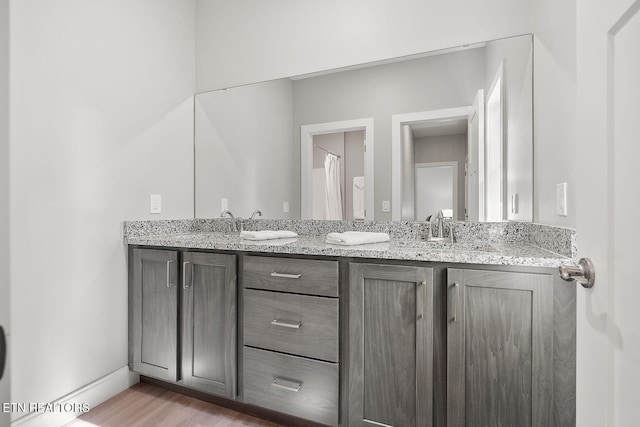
[486, 134]
[254, 144]
[245, 157]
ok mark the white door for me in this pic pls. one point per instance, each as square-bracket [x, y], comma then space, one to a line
[4, 207]
[475, 163]
[608, 204]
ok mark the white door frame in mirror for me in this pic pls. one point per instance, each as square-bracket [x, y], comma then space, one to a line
[494, 157]
[474, 188]
[397, 121]
[307, 133]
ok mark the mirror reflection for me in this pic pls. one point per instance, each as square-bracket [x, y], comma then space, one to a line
[446, 131]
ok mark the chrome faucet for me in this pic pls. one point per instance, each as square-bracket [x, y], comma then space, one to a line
[233, 226]
[253, 215]
[440, 224]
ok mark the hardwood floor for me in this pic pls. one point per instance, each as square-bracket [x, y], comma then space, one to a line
[145, 405]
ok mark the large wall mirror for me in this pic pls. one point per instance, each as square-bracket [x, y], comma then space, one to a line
[401, 139]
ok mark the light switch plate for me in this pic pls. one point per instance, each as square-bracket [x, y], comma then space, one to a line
[155, 203]
[386, 206]
[561, 199]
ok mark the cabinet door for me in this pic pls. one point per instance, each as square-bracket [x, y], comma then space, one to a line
[153, 311]
[390, 345]
[499, 349]
[209, 322]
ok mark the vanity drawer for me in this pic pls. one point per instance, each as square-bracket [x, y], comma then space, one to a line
[293, 385]
[302, 276]
[291, 323]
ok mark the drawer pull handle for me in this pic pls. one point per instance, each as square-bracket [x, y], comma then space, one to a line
[276, 322]
[286, 385]
[288, 276]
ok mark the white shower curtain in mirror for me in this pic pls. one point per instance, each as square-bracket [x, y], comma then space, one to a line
[333, 192]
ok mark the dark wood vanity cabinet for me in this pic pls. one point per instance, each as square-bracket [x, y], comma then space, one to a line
[488, 346]
[153, 311]
[182, 318]
[390, 345]
[291, 332]
[359, 343]
[209, 319]
[503, 366]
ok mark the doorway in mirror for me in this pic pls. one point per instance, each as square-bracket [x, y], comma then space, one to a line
[338, 176]
[431, 152]
[337, 169]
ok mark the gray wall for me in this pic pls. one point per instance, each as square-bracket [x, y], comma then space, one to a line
[555, 108]
[239, 42]
[446, 148]
[101, 116]
[434, 82]
[244, 151]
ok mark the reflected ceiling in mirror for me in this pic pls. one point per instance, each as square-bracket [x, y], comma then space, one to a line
[465, 108]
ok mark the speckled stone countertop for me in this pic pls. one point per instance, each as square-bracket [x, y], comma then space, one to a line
[520, 249]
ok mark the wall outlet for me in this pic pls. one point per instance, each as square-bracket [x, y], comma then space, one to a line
[561, 199]
[514, 203]
[386, 206]
[224, 204]
[285, 206]
[155, 203]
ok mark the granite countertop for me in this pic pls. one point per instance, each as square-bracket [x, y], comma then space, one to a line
[475, 252]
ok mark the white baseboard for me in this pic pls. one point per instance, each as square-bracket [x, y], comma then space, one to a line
[92, 394]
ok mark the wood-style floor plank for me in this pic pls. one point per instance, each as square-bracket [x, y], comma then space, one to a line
[145, 405]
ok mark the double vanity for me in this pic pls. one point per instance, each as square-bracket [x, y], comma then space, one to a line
[403, 333]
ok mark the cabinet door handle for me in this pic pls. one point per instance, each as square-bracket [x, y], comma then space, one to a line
[454, 302]
[288, 276]
[169, 284]
[286, 385]
[184, 275]
[420, 290]
[276, 322]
